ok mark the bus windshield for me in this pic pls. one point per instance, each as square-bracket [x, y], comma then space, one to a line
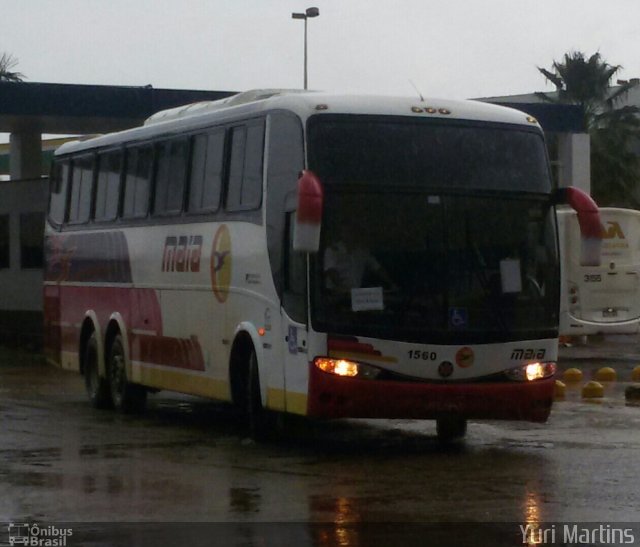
[426, 153]
[399, 260]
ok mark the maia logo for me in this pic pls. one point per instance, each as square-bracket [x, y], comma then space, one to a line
[528, 353]
[182, 254]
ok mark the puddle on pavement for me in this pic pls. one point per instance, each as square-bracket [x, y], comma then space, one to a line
[124, 450]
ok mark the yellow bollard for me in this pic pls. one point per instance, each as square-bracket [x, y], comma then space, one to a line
[560, 390]
[572, 375]
[635, 374]
[592, 390]
[606, 374]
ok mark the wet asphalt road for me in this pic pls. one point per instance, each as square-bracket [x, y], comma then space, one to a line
[188, 460]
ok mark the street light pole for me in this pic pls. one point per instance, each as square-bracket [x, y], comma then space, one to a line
[305, 53]
[310, 12]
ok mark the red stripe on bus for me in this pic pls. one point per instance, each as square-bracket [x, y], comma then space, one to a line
[332, 396]
[185, 353]
[350, 345]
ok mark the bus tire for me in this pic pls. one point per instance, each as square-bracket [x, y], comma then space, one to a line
[261, 421]
[127, 397]
[97, 387]
[451, 428]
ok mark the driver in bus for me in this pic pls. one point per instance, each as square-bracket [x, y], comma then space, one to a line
[348, 261]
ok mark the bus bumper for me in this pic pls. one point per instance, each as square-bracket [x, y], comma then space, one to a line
[332, 396]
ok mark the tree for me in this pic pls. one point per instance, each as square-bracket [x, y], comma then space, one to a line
[7, 62]
[587, 82]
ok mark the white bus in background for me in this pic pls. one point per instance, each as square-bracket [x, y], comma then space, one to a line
[606, 298]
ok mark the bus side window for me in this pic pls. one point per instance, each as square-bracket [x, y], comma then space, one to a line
[207, 162]
[108, 186]
[137, 182]
[81, 189]
[245, 167]
[58, 192]
[171, 176]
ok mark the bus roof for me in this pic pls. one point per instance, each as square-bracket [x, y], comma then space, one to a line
[304, 104]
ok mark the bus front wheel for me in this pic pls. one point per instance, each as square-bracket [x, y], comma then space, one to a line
[451, 428]
[261, 421]
[127, 397]
[97, 386]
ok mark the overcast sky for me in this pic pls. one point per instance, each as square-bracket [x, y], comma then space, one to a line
[447, 48]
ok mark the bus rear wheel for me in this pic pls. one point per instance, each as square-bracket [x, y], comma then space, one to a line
[127, 397]
[451, 428]
[97, 386]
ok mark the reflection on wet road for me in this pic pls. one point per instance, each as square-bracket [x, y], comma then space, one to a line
[186, 460]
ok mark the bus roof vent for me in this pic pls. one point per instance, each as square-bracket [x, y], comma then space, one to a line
[258, 95]
[210, 106]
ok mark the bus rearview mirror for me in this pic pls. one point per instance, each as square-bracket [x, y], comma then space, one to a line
[591, 230]
[306, 235]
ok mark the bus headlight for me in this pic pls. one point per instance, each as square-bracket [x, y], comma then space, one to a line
[344, 367]
[532, 371]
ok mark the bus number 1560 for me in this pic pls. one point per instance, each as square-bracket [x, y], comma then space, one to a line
[423, 355]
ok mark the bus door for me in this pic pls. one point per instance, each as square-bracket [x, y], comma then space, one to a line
[285, 161]
[294, 323]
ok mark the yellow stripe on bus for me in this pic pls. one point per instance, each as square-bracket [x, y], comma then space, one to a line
[173, 380]
[182, 382]
[281, 401]
[297, 403]
[276, 399]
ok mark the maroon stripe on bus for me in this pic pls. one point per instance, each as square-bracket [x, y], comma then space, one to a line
[350, 344]
[66, 308]
[185, 353]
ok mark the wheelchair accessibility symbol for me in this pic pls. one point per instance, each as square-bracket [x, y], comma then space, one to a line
[458, 318]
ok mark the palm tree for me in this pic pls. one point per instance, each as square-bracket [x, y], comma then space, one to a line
[587, 82]
[7, 62]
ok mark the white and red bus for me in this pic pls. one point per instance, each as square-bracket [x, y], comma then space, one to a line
[603, 299]
[193, 254]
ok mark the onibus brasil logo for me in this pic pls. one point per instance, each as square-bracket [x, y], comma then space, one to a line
[38, 535]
